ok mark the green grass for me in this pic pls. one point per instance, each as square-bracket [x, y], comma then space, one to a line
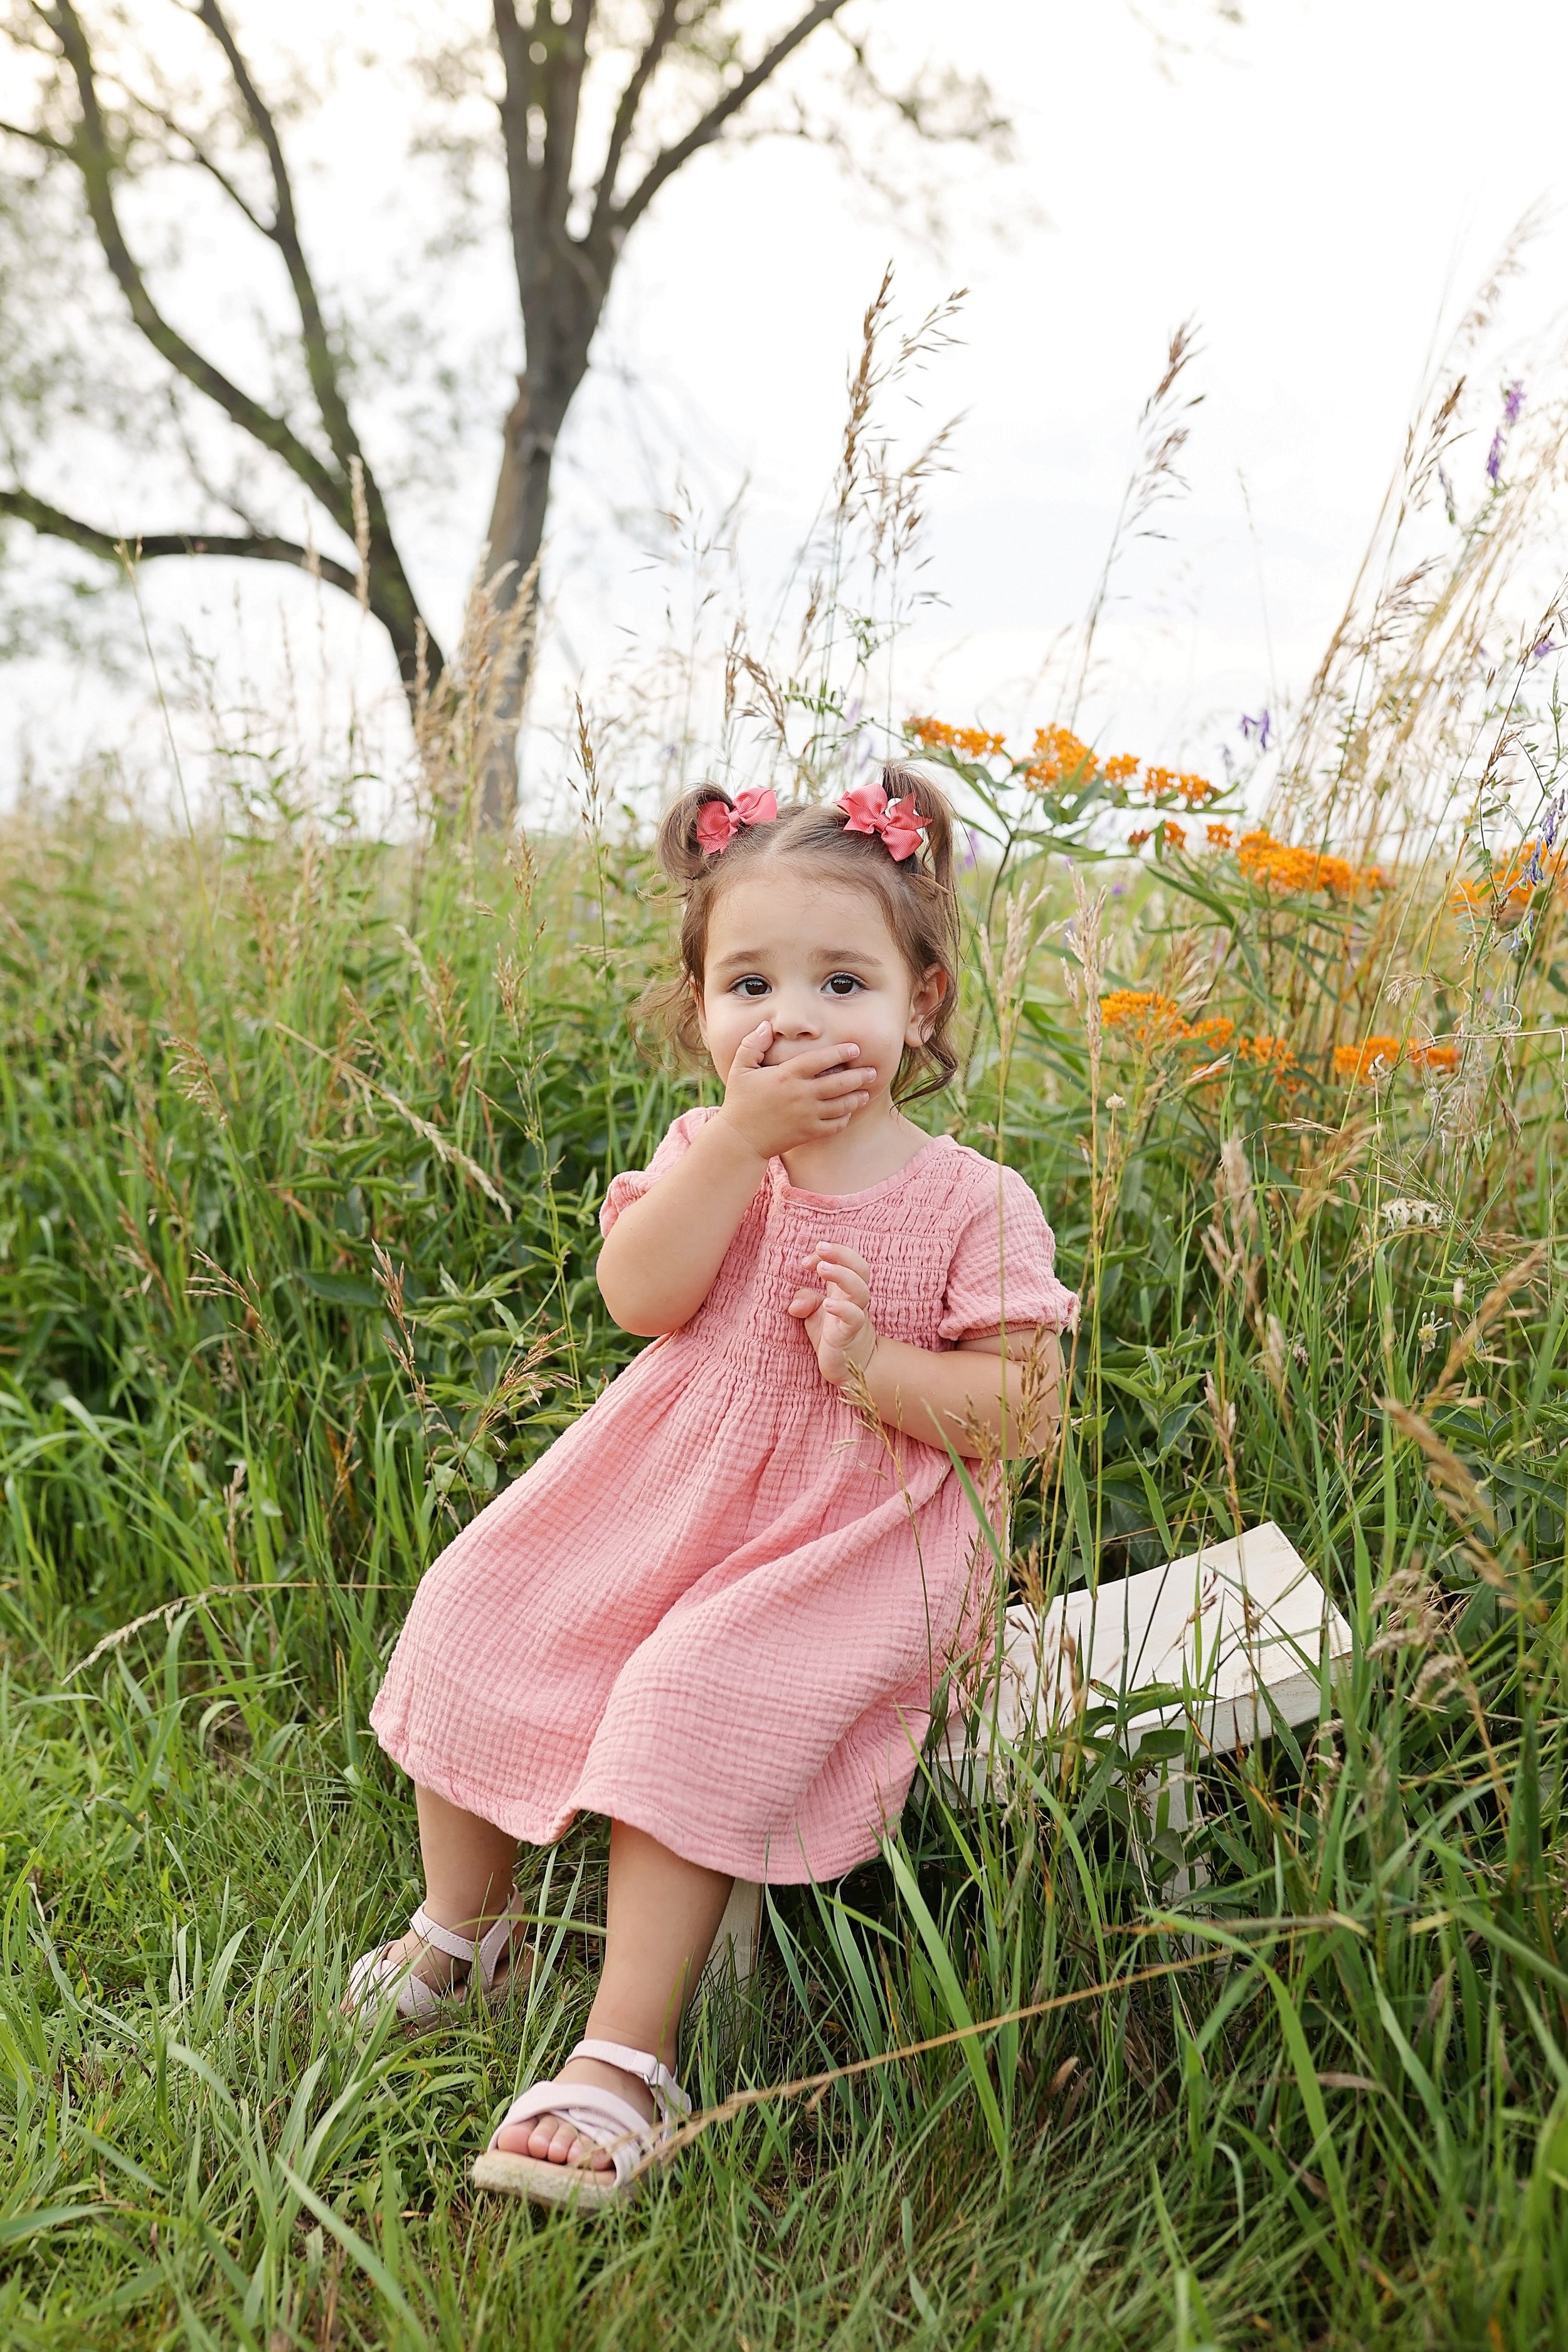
[267, 1339]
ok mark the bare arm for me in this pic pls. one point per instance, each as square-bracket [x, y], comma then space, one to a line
[1004, 1392]
[971, 1394]
[662, 1255]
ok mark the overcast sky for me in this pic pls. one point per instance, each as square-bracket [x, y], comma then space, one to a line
[1319, 186]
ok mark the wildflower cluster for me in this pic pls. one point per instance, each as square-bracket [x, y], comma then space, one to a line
[1505, 895]
[1167, 783]
[1149, 1019]
[1144, 1011]
[1376, 1059]
[973, 742]
[1060, 758]
[1276, 866]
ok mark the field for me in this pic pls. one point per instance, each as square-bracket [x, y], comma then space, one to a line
[304, 1136]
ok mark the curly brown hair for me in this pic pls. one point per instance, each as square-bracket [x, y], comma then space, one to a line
[915, 894]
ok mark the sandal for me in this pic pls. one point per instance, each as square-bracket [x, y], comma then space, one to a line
[612, 2123]
[377, 1981]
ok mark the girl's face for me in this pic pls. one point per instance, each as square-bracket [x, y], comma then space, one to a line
[817, 961]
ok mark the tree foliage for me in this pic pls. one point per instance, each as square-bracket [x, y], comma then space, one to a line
[148, 144]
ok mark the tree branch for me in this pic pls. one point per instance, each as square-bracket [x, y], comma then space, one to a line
[91, 153]
[704, 132]
[35, 138]
[566, 56]
[621, 129]
[205, 162]
[285, 234]
[115, 547]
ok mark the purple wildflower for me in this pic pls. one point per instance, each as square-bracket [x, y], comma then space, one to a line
[1512, 402]
[1555, 813]
[971, 859]
[1257, 730]
[1542, 647]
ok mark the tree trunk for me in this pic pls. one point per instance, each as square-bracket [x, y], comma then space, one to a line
[512, 543]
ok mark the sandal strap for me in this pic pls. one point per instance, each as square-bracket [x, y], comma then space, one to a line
[595, 2113]
[441, 1939]
[485, 1949]
[668, 2096]
[496, 1942]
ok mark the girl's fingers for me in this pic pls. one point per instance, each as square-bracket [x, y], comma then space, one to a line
[847, 1283]
[840, 1254]
[804, 1303]
[815, 1061]
[749, 1053]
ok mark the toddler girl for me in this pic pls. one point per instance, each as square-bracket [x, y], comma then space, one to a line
[716, 1610]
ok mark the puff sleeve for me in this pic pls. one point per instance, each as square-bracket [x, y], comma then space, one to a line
[633, 1182]
[1003, 1268]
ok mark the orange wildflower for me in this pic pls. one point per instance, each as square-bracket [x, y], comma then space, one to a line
[1269, 1053]
[1166, 784]
[1058, 756]
[975, 742]
[1120, 770]
[1175, 835]
[1506, 896]
[1216, 1033]
[1219, 836]
[1276, 866]
[1136, 840]
[1433, 1057]
[1153, 1019]
[1375, 1059]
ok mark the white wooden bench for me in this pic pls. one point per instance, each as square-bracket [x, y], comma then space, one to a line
[1233, 1637]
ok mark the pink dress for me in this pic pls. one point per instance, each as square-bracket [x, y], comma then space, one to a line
[719, 1606]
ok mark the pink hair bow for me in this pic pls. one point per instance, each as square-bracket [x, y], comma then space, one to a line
[899, 823]
[718, 825]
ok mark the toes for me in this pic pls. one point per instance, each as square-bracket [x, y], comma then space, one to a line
[550, 2140]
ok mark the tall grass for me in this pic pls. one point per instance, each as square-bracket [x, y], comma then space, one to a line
[305, 1135]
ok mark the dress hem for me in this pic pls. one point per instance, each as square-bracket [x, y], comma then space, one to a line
[518, 1820]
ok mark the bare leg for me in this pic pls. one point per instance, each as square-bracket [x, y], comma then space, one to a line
[663, 1914]
[467, 1877]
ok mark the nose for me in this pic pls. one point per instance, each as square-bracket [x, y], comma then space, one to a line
[797, 1015]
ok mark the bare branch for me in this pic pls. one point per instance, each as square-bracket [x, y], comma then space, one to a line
[91, 153]
[565, 61]
[207, 164]
[34, 138]
[50, 522]
[285, 233]
[704, 132]
[621, 129]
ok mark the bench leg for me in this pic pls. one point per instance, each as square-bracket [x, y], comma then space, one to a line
[1182, 1815]
[740, 1930]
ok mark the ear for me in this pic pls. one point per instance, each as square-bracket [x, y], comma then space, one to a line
[925, 1004]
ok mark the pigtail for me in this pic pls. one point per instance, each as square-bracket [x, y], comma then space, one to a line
[935, 855]
[680, 854]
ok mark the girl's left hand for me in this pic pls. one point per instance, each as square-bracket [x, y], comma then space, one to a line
[837, 1316]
